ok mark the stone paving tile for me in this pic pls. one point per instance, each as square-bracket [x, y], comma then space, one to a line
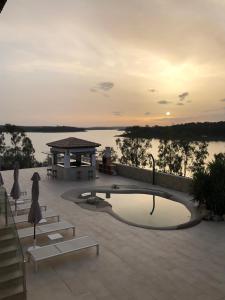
[134, 263]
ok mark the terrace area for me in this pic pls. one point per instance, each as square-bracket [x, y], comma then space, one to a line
[134, 263]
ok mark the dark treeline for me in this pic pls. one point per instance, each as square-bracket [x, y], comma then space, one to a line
[105, 128]
[192, 131]
[46, 128]
[60, 128]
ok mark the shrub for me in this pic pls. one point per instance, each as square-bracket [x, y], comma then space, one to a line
[209, 185]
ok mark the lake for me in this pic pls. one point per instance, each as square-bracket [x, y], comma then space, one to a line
[103, 137]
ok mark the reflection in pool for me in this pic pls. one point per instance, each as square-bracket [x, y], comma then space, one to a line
[140, 209]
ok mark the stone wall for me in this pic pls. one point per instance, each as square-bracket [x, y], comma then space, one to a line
[182, 184]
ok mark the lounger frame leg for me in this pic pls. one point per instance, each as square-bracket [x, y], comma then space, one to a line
[97, 249]
[35, 266]
[73, 231]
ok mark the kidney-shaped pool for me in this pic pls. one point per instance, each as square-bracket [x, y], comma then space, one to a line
[147, 210]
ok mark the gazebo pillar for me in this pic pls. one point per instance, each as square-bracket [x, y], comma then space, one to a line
[67, 159]
[93, 160]
[54, 159]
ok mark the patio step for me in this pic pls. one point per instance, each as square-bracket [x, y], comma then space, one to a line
[8, 251]
[11, 278]
[9, 264]
[13, 293]
[4, 238]
[5, 230]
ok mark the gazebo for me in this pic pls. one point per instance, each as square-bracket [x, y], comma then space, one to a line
[73, 159]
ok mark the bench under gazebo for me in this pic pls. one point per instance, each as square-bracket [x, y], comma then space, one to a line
[73, 159]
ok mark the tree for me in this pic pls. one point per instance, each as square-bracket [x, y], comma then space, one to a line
[186, 148]
[209, 185]
[114, 155]
[134, 151]
[2, 147]
[179, 156]
[169, 158]
[200, 155]
[19, 149]
[27, 152]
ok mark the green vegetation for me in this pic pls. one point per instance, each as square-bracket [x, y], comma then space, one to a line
[179, 156]
[135, 151]
[114, 156]
[191, 131]
[209, 185]
[19, 148]
[174, 156]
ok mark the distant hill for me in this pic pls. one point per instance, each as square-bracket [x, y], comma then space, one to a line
[106, 128]
[48, 128]
[62, 128]
[213, 131]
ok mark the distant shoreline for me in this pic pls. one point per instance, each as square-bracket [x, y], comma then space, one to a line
[59, 129]
[208, 131]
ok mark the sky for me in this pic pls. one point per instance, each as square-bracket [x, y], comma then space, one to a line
[109, 63]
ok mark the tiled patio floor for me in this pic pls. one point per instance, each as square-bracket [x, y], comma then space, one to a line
[134, 263]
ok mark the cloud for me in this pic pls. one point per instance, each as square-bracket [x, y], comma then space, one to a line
[103, 86]
[180, 103]
[106, 85]
[152, 90]
[183, 96]
[116, 113]
[163, 102]
[147, 113]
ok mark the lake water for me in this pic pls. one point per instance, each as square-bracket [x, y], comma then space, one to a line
[103, 137]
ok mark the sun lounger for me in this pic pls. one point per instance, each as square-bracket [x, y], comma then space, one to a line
[20, 201]
[25, 207]
[45, 215]
[61, 248]
[44, 229]
[22, 193]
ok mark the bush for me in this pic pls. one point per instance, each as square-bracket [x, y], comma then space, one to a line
[209, 185]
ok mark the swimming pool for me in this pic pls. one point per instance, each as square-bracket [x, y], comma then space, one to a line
[140, 209]
[148, 209]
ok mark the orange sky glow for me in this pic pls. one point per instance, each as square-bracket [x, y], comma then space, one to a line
[109, 63]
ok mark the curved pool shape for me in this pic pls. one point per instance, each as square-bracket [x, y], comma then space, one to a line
[139, 209]
[135, 206]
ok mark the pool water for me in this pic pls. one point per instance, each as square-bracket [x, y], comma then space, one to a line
[139, 209]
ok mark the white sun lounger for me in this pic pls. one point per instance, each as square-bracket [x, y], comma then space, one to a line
[26, 207]
[61, 248]
[44, 229]
[45, 215]
[20, 201]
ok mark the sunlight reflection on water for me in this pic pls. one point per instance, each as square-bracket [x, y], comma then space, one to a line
[137, 208]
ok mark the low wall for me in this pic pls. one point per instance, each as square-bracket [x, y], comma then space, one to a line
[182, 184]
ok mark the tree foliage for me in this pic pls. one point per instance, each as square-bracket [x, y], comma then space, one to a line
[19, 148]
[134, 151]
[209, 185]
[179, 156]
[114, 156]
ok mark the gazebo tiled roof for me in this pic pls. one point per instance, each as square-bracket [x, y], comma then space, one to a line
[72, 142]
